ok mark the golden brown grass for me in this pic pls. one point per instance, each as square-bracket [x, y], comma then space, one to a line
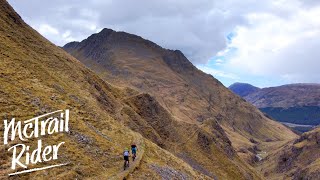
[38, 77]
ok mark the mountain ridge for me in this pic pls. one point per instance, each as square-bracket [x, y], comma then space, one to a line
[38, 77]
[307, 92]
[191, 97]
[188, 124]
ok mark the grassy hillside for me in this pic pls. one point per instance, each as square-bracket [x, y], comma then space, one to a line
[37, 77]
[299, 159]
[186, 92]
[200, 120]
[194, 133]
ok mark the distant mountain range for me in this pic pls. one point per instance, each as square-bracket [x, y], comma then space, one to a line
[292, 103]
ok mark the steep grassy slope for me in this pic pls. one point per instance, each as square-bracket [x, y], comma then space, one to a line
[187, 93]
[208, 113]
[295, 103]
[37, 77]
[299, 159]
[206, 149]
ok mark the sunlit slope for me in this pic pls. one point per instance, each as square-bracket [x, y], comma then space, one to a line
[189, 95]
[36, 77]
[298, 159]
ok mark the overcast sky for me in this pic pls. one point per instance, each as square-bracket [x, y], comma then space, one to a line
[265, 43]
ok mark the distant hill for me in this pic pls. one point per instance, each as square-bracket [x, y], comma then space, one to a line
[243, 89]
[293, 103]
[291, 95]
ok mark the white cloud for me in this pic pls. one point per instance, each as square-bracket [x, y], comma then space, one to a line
[218, 73]
[67, 36]
[197, 28]
[46, 30]
[277, 46]
[273, 38]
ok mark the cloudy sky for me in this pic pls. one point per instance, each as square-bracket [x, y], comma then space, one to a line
[265, 43]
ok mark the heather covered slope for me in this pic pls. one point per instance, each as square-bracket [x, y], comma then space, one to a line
[37, 77]
[188, 94]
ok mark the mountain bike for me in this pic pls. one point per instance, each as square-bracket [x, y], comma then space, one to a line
[126, 164]
[133, 156]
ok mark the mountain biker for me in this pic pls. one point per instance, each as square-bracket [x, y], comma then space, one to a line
[134, 151]
[126, 155]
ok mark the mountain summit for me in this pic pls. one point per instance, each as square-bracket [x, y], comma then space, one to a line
[218, 120]
[37, 77]
[186, 124]
[243, 89]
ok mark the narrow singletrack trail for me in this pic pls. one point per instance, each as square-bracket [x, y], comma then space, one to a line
[123, 174]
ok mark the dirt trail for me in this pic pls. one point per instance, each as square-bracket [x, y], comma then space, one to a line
[123, 174]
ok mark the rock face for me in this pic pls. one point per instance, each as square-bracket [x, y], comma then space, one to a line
[201, 112]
